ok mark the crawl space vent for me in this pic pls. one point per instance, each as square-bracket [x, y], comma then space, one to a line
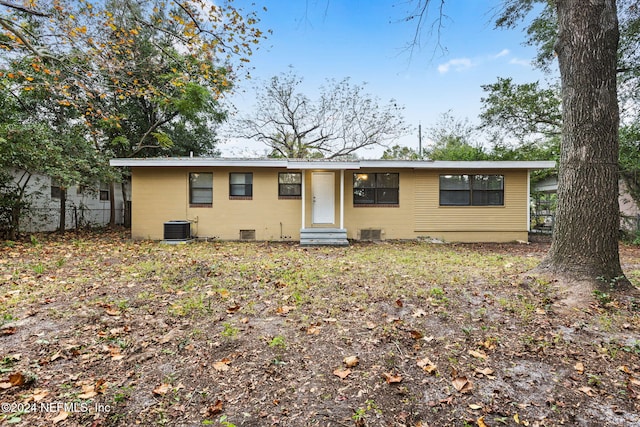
[371, 234]
[247, 234]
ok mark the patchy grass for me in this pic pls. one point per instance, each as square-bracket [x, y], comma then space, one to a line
[97, 330]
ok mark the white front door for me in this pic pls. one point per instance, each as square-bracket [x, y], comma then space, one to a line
[323, 197]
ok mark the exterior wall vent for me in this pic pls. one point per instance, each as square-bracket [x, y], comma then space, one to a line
[247, 234]
[371, 234]
[177, 230]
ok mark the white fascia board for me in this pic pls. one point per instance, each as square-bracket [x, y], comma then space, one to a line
[329, 165]
[199, 162]
[323, 165]
[459, 165]
[490, 164]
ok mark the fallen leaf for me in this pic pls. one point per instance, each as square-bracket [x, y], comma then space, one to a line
[38, 395]
[8, 331]
[313, 330]
[480, 422]
[391, 379]
[114, 351]
[516, 418]
[399, 303]
[489, 344]
[579, 367]
[56, 356]
[416, 335]
[222, 365]
[475, 406]
[16, 379]
[88, 394]
[5, 385]
[427, 365]
[342, 373]
[625, 369]
[285, 309]
[462, 384]
[370, 325]
[162, 389]
[351, 361]
[215, 409]
[60, 417]
[588, 391]
[112, 311]
[101, 386]
[478, 354]
[484, 371]
[233, 309]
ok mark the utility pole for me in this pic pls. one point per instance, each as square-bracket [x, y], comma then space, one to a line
[419, 140]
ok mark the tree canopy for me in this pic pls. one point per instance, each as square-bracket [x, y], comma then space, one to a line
[83, 81]
[343, 119]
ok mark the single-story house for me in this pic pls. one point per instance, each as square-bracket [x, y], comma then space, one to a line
[85, 206]
[312, 201]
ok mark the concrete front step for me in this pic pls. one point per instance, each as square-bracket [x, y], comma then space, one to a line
[323, 237]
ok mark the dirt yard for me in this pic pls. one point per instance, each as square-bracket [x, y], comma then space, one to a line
[96, 330]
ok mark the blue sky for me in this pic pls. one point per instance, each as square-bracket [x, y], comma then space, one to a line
[366, 41]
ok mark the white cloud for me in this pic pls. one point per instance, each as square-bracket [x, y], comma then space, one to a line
[522, 62]
[503, 52]
[458, 64]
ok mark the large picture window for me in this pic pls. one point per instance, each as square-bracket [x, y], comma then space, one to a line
[471, 190]
[240, 185]
[290, 185]
[200, 189]
[376, 189]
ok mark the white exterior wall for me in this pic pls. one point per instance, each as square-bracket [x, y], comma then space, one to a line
[83, 208]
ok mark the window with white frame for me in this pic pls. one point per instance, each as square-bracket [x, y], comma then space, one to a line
[200, 189]
[290, 185]
[240, 185]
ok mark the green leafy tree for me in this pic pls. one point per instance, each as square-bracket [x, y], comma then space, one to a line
[176, 107]
[39, 135]
[92, 42]
[139, 76]
[399, 152]
[453, 139]
[522, 111]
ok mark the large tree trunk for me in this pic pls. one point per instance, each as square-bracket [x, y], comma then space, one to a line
[585, 238]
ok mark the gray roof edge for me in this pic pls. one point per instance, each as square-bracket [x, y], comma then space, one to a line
[326, 164]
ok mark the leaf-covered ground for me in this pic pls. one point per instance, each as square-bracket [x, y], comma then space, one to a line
[97, 330]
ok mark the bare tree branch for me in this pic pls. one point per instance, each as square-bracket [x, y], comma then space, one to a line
[21, 8]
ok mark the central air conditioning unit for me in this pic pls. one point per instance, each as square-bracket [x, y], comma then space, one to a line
[177, 230]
